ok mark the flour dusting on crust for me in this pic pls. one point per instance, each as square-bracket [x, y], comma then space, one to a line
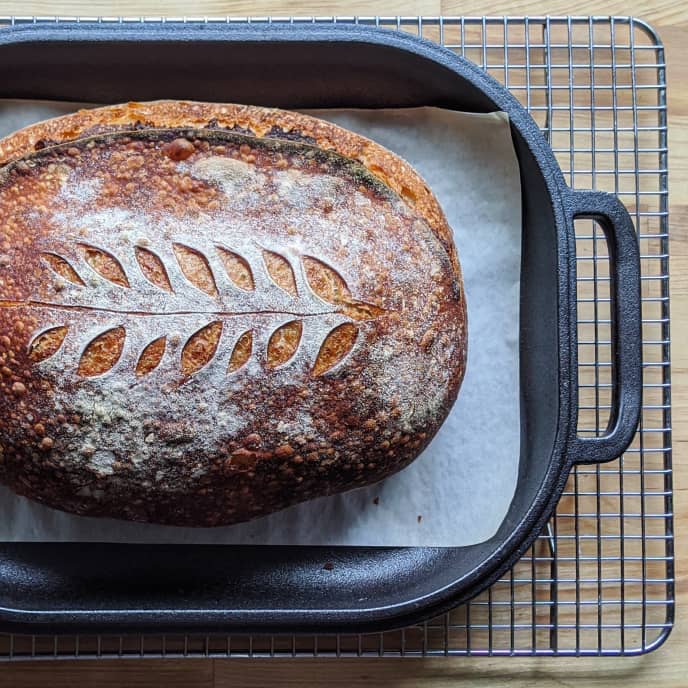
[229, 266]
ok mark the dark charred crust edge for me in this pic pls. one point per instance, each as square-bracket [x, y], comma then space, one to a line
[295, 146]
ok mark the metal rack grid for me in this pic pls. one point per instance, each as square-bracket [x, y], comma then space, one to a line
[599, 581]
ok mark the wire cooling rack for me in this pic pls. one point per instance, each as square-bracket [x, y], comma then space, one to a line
[599, 580]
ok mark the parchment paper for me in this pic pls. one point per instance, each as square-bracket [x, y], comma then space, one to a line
[458, 491]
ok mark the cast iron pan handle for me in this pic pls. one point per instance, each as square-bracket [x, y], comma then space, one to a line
[624, 268]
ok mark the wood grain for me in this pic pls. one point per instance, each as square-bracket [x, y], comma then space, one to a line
[661, 13]
[171, 673]
[665, 668]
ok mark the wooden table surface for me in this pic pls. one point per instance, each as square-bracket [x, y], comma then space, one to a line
[666, 667]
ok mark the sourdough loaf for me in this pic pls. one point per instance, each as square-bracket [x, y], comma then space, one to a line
[211, 312]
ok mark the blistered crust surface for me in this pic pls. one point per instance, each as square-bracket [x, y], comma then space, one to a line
[253, 120]
[200, 327]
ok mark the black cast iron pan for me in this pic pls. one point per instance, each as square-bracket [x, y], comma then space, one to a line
[80, 587]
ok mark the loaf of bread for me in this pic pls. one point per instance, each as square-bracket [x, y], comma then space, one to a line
[211, 312]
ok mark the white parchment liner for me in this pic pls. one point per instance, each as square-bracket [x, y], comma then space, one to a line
[458, 491]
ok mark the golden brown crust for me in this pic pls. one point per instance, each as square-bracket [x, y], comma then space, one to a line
[199, 327]
[258, 121]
